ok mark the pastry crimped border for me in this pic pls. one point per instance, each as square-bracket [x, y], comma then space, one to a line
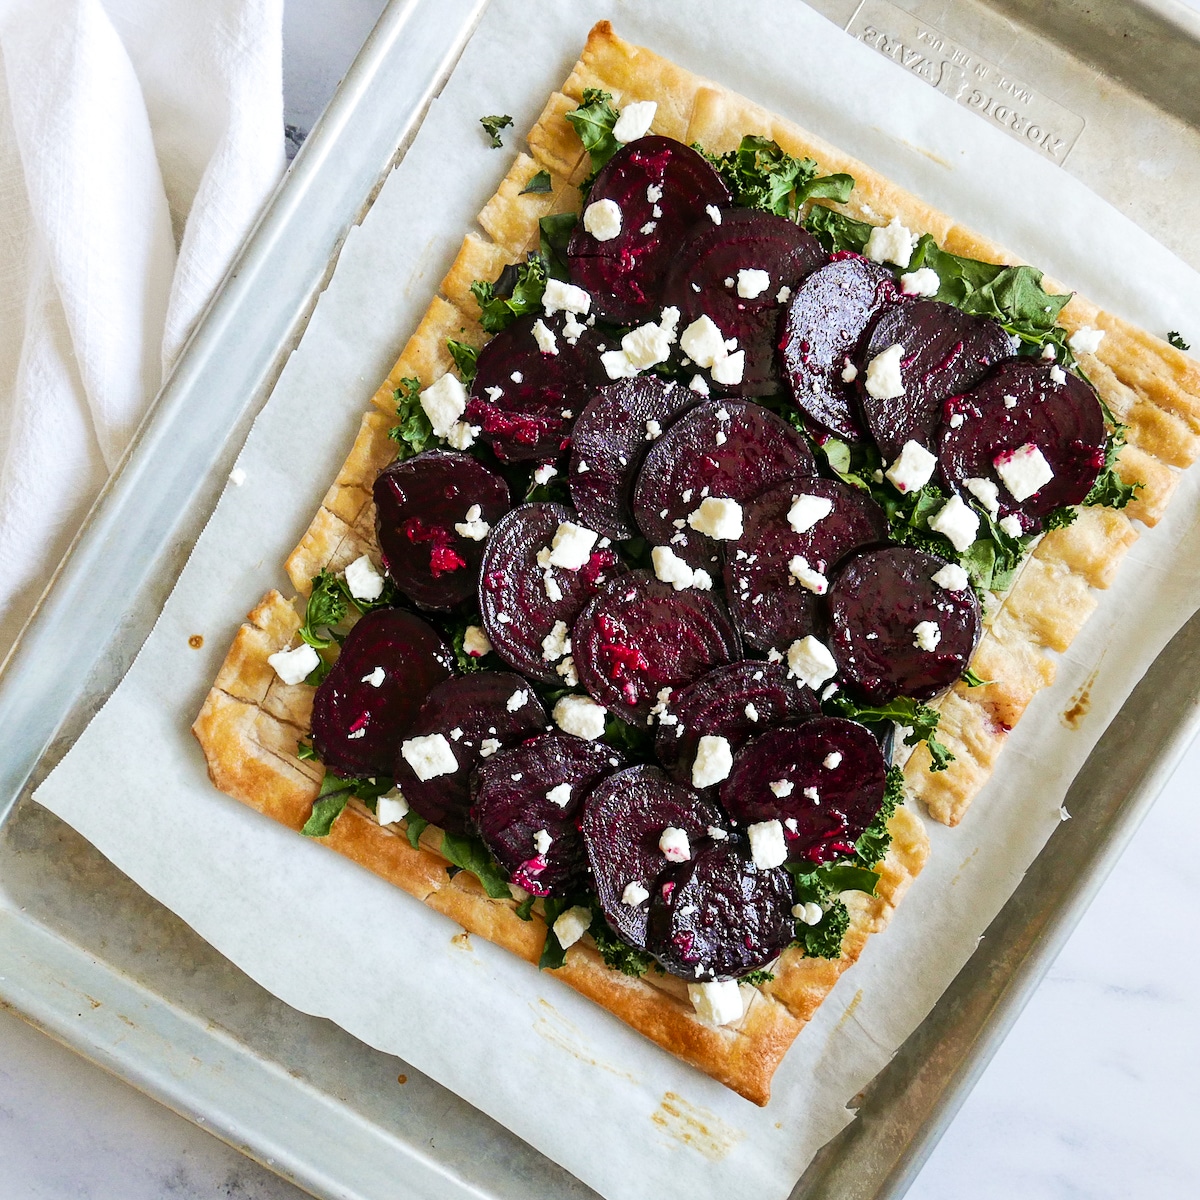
[251, 721]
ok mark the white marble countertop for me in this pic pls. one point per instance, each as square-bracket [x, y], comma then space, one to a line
[1095, 1093]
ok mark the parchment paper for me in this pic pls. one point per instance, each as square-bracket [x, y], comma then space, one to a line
[331, 939]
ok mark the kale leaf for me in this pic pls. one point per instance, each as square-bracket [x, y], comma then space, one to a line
[1109, 490]
[617, 954]
[553, 954]
[328, 603]
[824, 939]
[541, 182]
[554, 233]
[464, 358]
[1176, 340]
[414, 826]
[517, 292]
[524, 910]
[335, 793]
[837, 232]
[972, 680]
[920, 719]
[873, 842]
[757, 978]
[594, 121]
[413, 432]
[492, 126]
[470, 854]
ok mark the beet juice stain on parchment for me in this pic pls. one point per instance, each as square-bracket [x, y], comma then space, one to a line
[696, 1127]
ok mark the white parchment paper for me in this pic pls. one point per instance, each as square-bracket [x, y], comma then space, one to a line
[622, 1115]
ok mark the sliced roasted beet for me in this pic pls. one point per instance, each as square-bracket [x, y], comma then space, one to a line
[704, 281]
[662, 188]
[734, 450]
[771, 606]
[946, 352]
[876, 604]
[524, 399]
[418, 505]
[388, 664]
[521, 601]
[610, 441]
[1021, 404]
[736, 702]
[821, 330]
[513, 804]
[639, 636]
[623, 820]
[477, 714]
[823, 781]
[718, 916]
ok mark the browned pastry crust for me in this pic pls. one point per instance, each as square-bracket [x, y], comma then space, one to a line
[251, 722]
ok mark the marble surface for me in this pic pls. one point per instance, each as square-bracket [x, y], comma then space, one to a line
[1095, 1093]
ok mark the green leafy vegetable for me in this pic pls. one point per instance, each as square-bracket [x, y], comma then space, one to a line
[492, 126]
[413, 432]
[305, 752]
[972, 680]
[517, 292]
[594, 121]
[319, 673]
[470, 854]
[328, 603]
[541, 182]
[824, 940]
[618, 955]
[1109, 491]
[920, 719]
[553, 954]
[524, 910]
[826, 187]
[837, 232]
[1060, 518]
[335, 793]
[554, 233]
[873, 842]
[757, 978]
[464, 358]
[457, 629]
[761, 174]
[635, 740]
[414, 826]
[1177, 341]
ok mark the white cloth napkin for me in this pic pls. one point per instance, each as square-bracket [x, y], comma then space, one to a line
[138, 141]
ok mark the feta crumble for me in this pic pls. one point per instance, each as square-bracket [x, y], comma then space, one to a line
[884, 380]
[674, 844]
[958, 522]
[602, 219]
[672, 569]
[986, 491]
[542, 841]
[473, 526]
[806, 511]
[572, 546]
[544, 473]
[806, 577]
[1057, 374]
[294, 666]
[429, 756]
[475, 641]
[391, 808]
[634, 894]
[1024, 471]
[718, 517]
[951, 577]
[560, 795]
[556, 643]
[1086, 340]
[714, 213]
[714, 761]
[782, 787]
[922, 282]
[717, 1003]
[572, 925]
[832, 760]
[564, 297]
[363, 580]
[811, 662]
[849, 372]
[376, 677]
[751, 283]
[810, 913]
[518, 699]
[767, 846]
[1012, 525]
[635, 120]
[892, 243]
[547, 343]
[913, 469]
[926, 635]
[443, 403]
[703, 342]
[581, 716]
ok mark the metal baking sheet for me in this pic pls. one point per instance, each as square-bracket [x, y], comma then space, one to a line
[127, 984]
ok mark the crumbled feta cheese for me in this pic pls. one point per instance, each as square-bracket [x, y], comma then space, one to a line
[1086, 340]
[1010, 402]
[1049, 353]
[703, 342]
[782, 787]
[806, 511]
[654, 193]
[557, 642]
[810, 913]
[922, 282]
[1024, 471]
[1012, 525]
[832, 760]
[550, 585]
[672, 569]
[564, 297]
[560, 795]
[444, 402]
[653, 430]
[730, 369]
[849, 372]
[926, 635]
[767, 845]
[566, 671]
[391, 808]
[811, 662]
[714, 761]
[717, 835]
[473, 526]
[518, 699]
[751, 283]
[986, 491]
[783, 295]
[718, 517]
[544, 473]
[634, 894]
[581, 716]
[616, 365]
[957, 420]
[913, 469]
[475, 641]
[542, 841]
[488, 747]
[1057, 374]
[812, 794]
[294, 666]
[699, 385]
[429, 756]
[494, 394]
[674, 844]
[717, 1003]
[951, 577]
[714, 213]
[547, 343]
[462, 436]
[806, 577]
[751, 712]
[363, 580]
[572, 546]
[892, 243]
[884, 380]
[635, 120]
[376, 677]
[602, 219]
[958, 522]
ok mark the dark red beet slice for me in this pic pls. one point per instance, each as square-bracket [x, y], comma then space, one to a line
[529, 418]
[518, 612]
[418, 503]
[837, 774]
[357, 725]
[625, 274]
[610, 440]
[472, 713]
[875, 604]
[771, 608]
[623, 820]
[1064, 420]
[737, 455]
[704, 282]
[718, 916]
[946, 351]
[639, 636]
[736, 702]
[821, 330]
[512, 804]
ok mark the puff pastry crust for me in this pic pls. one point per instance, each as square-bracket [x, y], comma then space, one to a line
[251, 722]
